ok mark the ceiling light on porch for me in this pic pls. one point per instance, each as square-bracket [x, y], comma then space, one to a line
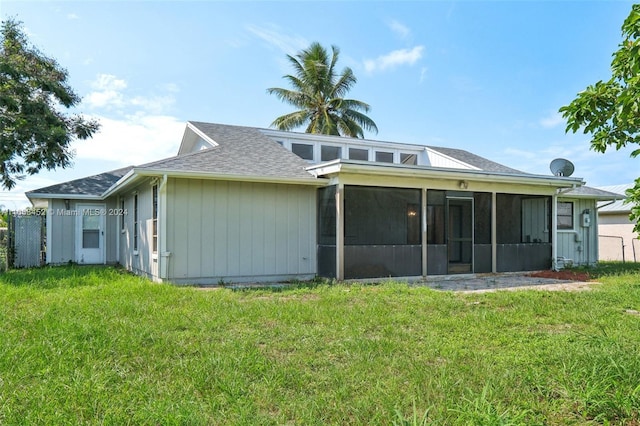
[463, 184]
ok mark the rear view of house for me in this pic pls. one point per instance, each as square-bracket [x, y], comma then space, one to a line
[248, 204]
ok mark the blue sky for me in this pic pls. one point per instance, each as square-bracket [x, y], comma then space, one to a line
[488, 77]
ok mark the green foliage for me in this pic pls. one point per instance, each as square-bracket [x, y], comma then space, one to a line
[610, 110]
[318, 92]
[35, 133]
[96, 345]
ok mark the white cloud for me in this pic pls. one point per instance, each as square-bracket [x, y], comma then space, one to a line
[72, 16]
[136, 139]
[400, 29]
[110, 94]
[394, 59]
[276, 37]
[108, 82]
[552, 120]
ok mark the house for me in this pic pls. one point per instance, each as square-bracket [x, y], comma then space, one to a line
[240, 204]
[617, 240]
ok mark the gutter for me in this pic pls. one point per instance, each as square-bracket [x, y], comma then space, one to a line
[361, 167]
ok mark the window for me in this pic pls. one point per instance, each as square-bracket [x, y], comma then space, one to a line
[154, 219]
[135, 222]
[565, 215]
[122, 222]
[384, 157]
[302, 150]
[358, 154]
[328, 153]
[411, 159]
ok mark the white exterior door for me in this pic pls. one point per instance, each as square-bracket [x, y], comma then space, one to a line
[90, 227]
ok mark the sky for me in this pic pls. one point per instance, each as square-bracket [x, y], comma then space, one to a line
[487, 77]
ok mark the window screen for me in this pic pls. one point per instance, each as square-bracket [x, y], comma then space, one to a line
[328, 153]
[303, 151]
[384, 157]
[358, 154]
[411, 159]
[565, 215]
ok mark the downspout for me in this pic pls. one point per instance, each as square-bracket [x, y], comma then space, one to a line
[162, 228]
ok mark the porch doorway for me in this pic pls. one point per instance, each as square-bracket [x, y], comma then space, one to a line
[459, 235]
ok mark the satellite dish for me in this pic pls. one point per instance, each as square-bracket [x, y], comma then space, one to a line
[561, 167]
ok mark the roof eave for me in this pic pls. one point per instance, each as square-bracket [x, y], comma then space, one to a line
[44, 195]
[337, 166]
[312, 181]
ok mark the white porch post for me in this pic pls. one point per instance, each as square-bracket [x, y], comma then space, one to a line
[340, 232]
[494, 233]
[424, 233]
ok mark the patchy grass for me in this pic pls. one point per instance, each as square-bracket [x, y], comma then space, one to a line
[97, 345]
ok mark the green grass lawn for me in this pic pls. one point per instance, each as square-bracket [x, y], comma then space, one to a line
[99, 346]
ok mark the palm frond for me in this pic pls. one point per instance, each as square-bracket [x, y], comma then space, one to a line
[318, 92]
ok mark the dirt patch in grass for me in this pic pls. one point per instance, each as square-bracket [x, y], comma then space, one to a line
[565, 275]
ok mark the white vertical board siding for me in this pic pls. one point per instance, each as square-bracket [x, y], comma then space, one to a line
[62, 246]
[112, 222]
[239, 231]
[579, 244]
[142, 261]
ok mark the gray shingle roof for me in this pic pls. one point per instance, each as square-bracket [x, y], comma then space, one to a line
[94, 185]
[475, 160]
[589, 192]
[241, 151]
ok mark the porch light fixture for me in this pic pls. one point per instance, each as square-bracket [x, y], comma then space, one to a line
[463, 184]
[67, 204]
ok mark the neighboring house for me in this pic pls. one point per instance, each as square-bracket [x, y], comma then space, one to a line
[616, 236]
[248, 204]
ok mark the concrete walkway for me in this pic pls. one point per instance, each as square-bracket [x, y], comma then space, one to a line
[508, 281]
[461, 283]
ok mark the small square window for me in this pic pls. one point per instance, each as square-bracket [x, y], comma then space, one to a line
[411, 159]
[328, 153]
[302, 150]
[358, 154]
[384, 157]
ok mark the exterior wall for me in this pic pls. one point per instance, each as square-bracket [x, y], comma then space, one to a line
[63, 225]
[615, 230]
[580, 244]
[141, 261]
[239, 231]
[61, 241]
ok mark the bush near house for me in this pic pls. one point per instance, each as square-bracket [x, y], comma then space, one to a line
[97, 345]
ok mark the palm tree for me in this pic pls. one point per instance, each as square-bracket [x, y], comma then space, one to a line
[318, 93]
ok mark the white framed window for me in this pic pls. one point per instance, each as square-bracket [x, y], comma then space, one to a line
[384, 157]
[565, 215]
[329, 152]
[154, 219]
[135, 222]
[359, 154]
[302, 150]
[410, 159]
